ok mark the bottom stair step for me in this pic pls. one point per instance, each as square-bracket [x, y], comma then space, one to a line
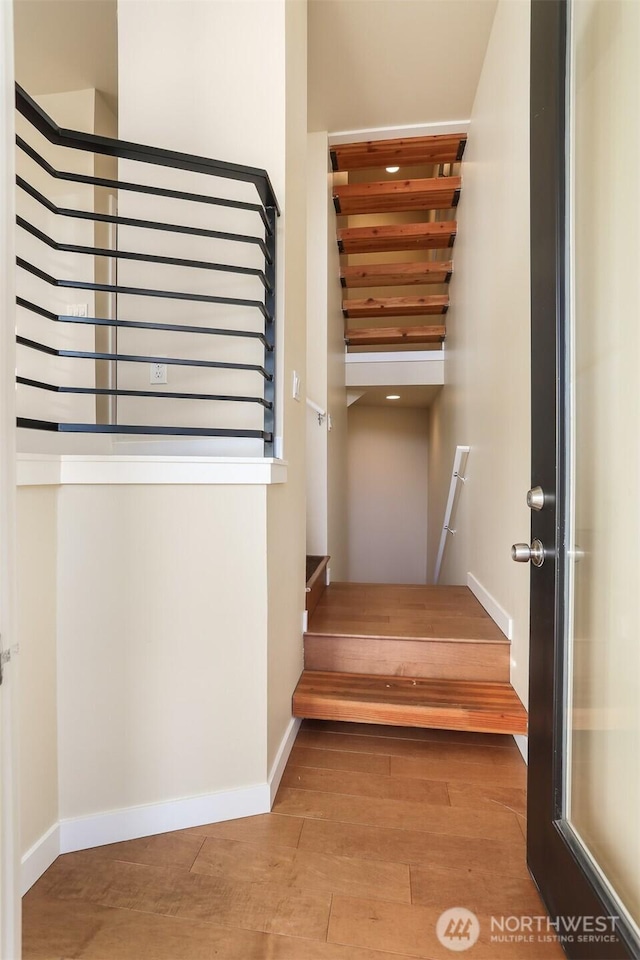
[483, 707]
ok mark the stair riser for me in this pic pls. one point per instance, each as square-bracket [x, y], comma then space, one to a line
[437, 659]
[440, 718]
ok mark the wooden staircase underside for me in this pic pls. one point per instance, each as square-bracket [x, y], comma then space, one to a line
[430, 187]
[379, 336]
[397, 196]
[404, 236]
[407, 655]
[396, 274]
[395, 307]
[414, 151]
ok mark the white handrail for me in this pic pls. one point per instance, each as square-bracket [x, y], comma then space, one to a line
[457, 477]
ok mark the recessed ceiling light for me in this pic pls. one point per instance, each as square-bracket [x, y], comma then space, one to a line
[393, 396]
[392, 169]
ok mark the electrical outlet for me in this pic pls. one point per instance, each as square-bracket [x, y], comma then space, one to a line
[77, 309]
[157, 373]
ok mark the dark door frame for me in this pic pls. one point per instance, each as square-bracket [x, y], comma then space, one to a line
[569, 885]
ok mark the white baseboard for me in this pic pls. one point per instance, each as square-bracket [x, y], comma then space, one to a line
[522, 743]
[491, 605]
[280, 762]
[129, 823]
[39, 858]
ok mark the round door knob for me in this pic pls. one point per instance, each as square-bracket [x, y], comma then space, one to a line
[535, 498]
[523, 553]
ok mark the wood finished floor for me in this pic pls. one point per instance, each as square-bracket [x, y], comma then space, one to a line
[375, 831]
[403, 611]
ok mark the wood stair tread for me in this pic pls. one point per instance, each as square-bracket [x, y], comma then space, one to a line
[395, 307]
[376, 336]
[443, 148]
[405, 236]
[397, 196]
[396, 274]
[481, 706]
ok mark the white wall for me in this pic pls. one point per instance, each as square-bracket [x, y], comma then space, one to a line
[10, 905]
[387, 504]
[326, 449]
[286, 539]
[162, 659]
[485, 402]
[36, 572]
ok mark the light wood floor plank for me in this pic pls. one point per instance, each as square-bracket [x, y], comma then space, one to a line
[266, 828]
[172, 892]
[50, 930]
[340, 760]
[413, 846]
[366, 785]
[364, 923]
[444, 769]
[491, 894]
[411, 733]
[463, 794]
[458, 821]
[399, 747]
[176, 849]
[314, 873]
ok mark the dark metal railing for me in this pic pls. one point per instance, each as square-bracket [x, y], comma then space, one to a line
[254, 306]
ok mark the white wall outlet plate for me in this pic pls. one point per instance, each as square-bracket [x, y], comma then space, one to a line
[296, 386]
[157, 373]
[77, 309]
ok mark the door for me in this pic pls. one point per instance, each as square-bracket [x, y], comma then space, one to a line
[584, 744]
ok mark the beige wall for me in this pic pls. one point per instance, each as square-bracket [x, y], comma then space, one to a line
[36, 572]
[263, 124]
[387, 505]
[77, 111]
[286, 537]
[10, 905]
[326, 449]
[485, 402]
[162, 653]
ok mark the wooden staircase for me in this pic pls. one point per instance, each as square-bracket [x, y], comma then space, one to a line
[407, 655]
[433, 196]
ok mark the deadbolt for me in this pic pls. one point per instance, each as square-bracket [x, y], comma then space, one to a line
[523, 553]
[535, 498]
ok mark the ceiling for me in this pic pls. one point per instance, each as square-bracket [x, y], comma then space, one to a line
[414, 396]
[385, 63]
[63, 45]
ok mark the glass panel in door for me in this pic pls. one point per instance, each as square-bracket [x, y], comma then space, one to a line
[602, 770]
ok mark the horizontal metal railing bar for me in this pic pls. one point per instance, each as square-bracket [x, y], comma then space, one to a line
[139, 187]
[141, 324]
[107, 146]
[29, 424]
[141, 257]
[134, 222]
[109, 392]
[135, 358]
[138, 291]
